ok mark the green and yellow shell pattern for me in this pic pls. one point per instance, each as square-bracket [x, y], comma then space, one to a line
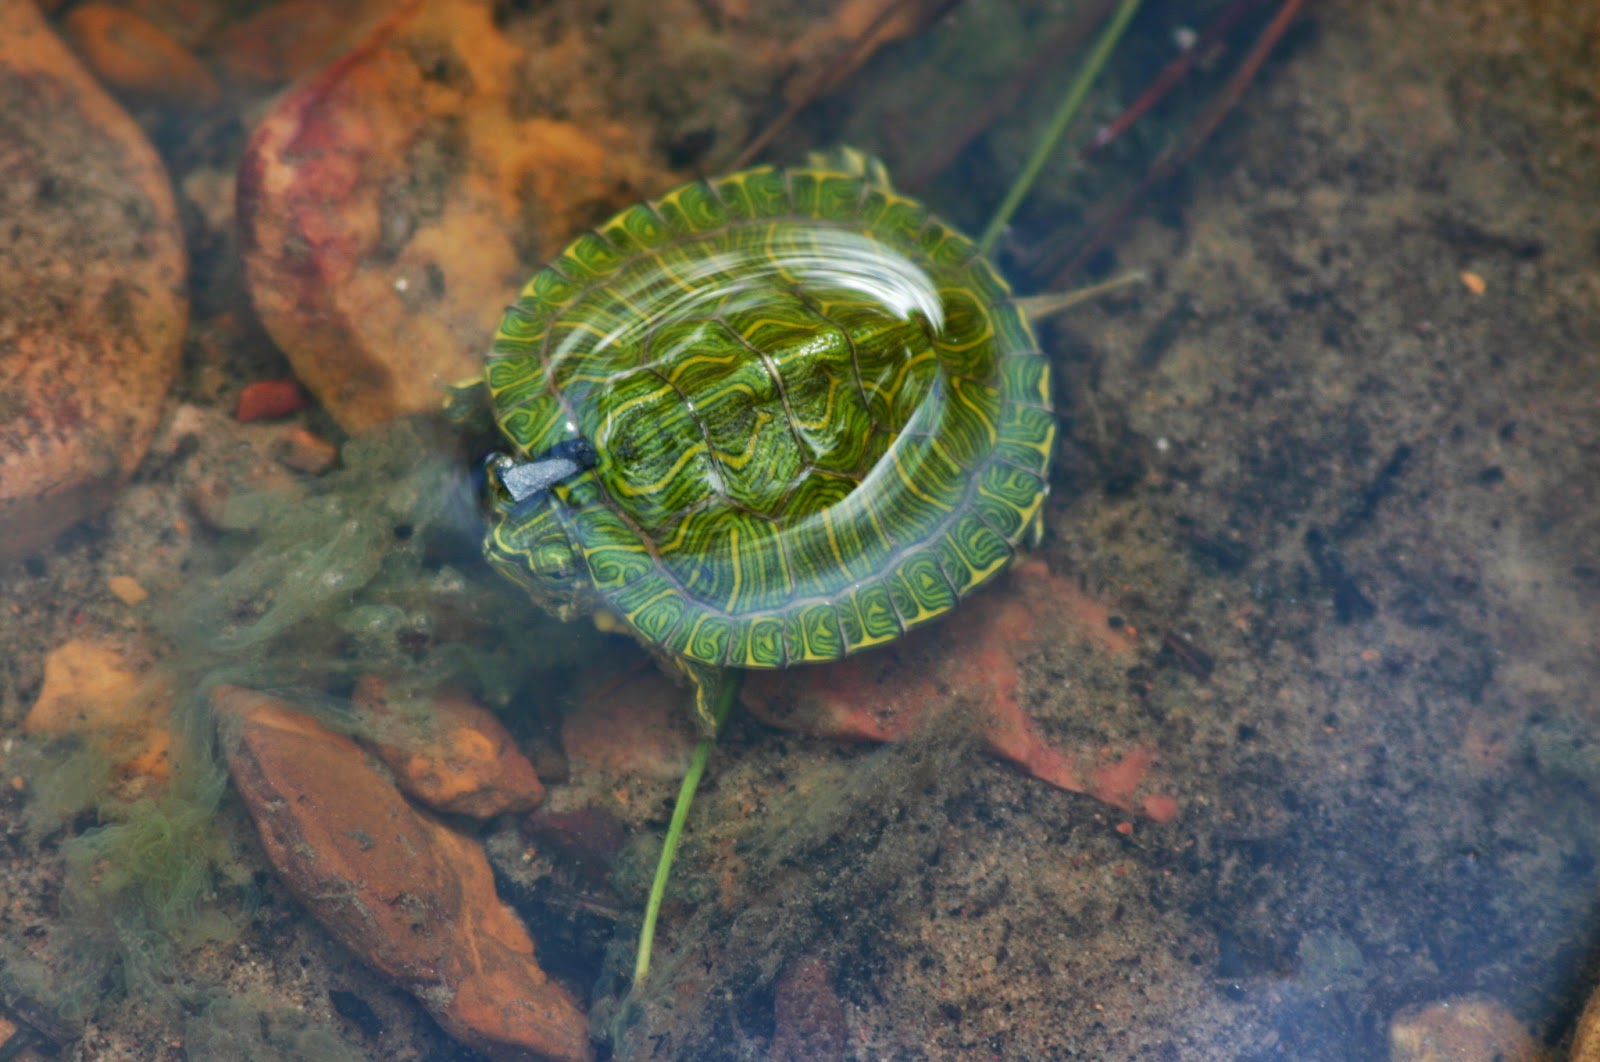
[818, 419]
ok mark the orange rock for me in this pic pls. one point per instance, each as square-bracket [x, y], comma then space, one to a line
[127, 589]
[461, 760]
[284, 40]
[411, 896]
[972, 663]
[90, 690]
[304, 451]
[268, 400]
[1467, 1029]
[637, 728]
[91, 288]
[392, 204]
[137, 60]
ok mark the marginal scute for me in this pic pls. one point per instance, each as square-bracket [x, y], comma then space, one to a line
[820, 419]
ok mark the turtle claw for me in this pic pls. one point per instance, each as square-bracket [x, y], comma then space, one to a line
[528, 481]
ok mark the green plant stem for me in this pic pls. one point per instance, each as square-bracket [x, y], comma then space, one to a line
[1068, 110]
[726, 692]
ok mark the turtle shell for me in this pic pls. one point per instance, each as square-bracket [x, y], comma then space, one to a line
[819, 418]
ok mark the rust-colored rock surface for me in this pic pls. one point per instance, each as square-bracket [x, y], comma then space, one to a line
[632, 730]
[92, 307]
[92, 690]
[137, 60]
[394, 201]
[974, 661]
[269, 400]
[292, 37]
[392, 204]
[1468, 1029]
[413, 897]
[461, 760]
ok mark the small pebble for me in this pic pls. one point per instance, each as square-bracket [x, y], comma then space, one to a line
[308, 452]
[269, 400]
[127, 589]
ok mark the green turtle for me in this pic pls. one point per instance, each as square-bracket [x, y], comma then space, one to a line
[771, 418]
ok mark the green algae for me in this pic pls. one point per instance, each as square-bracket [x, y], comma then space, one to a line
[71, 777]
[362, 572]
[365, 572]
[243, 1027]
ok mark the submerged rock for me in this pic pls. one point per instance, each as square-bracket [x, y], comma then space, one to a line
[391, 204]
[461, 760]
[92, 306]
[1468, 1029]
[393, 201]
[137, 60]
[93, 691]
[411, 896]
[971, 670]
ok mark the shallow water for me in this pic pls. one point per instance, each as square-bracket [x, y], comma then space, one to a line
[1318, 575]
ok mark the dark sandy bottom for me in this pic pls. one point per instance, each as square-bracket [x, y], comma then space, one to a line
[1337, 465]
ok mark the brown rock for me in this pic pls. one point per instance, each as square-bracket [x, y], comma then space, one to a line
[92, 307]
[1586, 1042]
[974, 663]
[392, 204]
[589, 838]
[268, 400]
[413, 897]
[307, 452]
[1468, 1029]
[137, 60]
[461, 760]
[808, 1016]
[127, 589]
[91, 690]
[284, 40]
[634, 729]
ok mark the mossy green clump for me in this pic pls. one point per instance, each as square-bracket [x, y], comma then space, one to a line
[359, 573]
[363, 572]
[71, 777]
[156, 861]
[154, 878]
[235, 1028]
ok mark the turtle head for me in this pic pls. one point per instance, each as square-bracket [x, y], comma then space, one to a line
[527, 540]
